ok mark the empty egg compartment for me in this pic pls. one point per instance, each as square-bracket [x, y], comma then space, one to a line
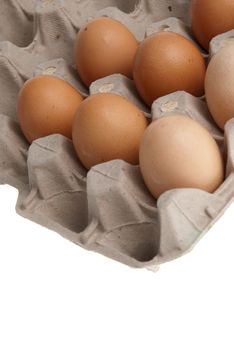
[16, 21]
[107, 209]
[56, 194]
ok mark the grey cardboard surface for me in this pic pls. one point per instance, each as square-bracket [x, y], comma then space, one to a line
[220, 41]
[108, 209]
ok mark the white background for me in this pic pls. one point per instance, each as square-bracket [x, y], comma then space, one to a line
[55, 295]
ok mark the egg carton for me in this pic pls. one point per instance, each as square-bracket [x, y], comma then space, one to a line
[107, 209]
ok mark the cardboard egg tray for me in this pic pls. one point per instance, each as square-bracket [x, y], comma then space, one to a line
[109, 209]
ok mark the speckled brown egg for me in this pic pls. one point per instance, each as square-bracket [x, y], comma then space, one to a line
[47, 105]
[177, 152]
[210, 18]
[166, 62]
[104, 46]
[106, 127]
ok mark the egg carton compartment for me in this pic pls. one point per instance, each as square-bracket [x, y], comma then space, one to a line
[107, 209]
[184, 103]
[220, 41]
[170, 24]
[20, 14]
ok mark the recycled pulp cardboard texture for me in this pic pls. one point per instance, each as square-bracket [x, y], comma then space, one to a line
[108, 209]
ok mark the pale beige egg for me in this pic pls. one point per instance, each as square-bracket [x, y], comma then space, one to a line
[177, 152]
[219, 85]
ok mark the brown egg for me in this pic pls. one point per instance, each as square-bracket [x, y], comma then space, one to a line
[47, 105]
[177, 152]
[166, 62]
[210, 18]
[219, 85]
[103, 47]
[107, 127]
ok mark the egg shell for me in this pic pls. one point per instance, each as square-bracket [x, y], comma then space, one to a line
[166, 62]
[210, 18]
[103, 47]
[107, 127]
[219, 85]
[177, 152]
[47, 105]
